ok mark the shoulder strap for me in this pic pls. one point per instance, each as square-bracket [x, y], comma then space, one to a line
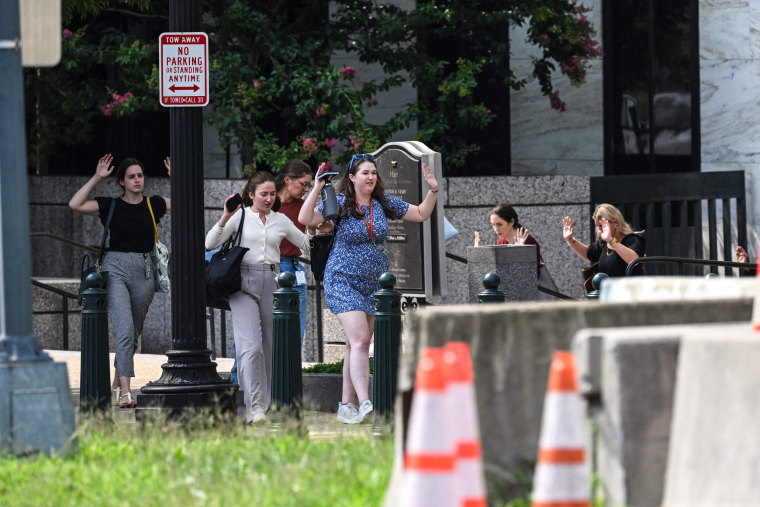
[239, 234]
[105, 230]
[155, 229]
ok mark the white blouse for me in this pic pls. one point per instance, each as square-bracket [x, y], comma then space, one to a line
[263, 240]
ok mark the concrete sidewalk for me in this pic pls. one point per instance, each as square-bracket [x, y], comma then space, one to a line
[321, 425]
[147, 366]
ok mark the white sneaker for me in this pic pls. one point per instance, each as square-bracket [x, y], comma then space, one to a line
[258, 417]
[347, 413]
[364, 410]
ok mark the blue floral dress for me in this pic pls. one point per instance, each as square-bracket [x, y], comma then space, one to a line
[356, 262]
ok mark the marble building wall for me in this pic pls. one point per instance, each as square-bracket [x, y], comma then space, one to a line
[729, 68]
[545, 141]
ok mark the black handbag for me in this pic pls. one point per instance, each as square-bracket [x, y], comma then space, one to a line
[320, 247]
[87, 268]
[223, 270]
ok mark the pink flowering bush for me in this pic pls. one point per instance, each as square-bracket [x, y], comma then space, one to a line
[348, 72]
[309, 146]
[567, 38]
[456, 54]
[116, 104]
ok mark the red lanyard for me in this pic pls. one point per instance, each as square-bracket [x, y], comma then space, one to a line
[370, 228]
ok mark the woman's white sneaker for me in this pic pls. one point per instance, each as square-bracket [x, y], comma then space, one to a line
[364, 410]
[347, 413]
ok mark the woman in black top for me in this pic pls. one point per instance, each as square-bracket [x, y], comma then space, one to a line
[131, 281]
[616, 243]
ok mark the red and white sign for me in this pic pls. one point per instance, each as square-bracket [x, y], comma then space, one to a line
[183, 59]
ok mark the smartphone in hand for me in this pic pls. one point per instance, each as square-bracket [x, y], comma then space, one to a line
[327, 175]
[234, 202]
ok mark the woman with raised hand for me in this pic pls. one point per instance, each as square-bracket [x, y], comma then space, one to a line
[507, 227]
[357, 260]
[616, 242]
[252, 306]
[292, 183]
[131, 282]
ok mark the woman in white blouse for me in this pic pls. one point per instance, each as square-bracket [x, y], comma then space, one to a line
[263, 230]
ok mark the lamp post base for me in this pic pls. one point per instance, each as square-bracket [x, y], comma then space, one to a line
[189, 385]
[36, 409]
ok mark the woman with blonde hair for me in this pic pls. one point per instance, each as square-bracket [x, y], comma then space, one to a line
[616, 245]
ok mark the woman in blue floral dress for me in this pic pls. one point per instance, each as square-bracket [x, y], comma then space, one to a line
[357, 260]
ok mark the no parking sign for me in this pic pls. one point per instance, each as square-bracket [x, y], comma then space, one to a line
[183, 60]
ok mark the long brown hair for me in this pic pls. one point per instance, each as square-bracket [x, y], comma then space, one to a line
[293, 169]
[346, 187]
[254, 181]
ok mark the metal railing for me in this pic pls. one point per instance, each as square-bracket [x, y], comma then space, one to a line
[65, 295]
[541, 288]
[681, 261]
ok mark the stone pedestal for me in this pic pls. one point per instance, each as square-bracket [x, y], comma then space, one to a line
[515, 265]
[36, 412]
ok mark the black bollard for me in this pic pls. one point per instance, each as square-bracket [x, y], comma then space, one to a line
[596, 283]
[287, 384]
[95, 391]
[387, 344]
[491, 293]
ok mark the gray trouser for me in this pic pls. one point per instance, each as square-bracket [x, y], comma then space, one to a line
[129, 296]
[252, 318]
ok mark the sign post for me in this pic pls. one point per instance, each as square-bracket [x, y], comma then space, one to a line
[183, 58]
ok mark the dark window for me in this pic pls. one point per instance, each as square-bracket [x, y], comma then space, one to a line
[651, 72]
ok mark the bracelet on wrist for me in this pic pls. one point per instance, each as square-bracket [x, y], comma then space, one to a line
[220, 225]
[612, 243]
[570, 243]
[434, 191]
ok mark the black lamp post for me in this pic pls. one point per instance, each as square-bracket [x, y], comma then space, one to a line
[189, 380]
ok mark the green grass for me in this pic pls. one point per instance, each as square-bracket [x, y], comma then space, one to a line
[225, 465]
[336, 367]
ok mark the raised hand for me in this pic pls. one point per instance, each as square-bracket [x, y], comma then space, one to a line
[168, 165]
[320, 182]
[104, 167]
[741, 254]
[427, 174]
[477, 239]
[521, 234]
[568, 232]
[606, 234]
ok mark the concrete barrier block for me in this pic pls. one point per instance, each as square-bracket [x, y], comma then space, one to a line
[635, 371]
[677, 288]
[512, 345]
[714, 457]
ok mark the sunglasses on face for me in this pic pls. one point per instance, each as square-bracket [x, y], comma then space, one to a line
[368, 156]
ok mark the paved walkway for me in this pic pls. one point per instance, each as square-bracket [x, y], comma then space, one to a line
[147, 366]
[321, 425]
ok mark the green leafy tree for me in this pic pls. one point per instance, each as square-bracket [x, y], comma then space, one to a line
[276, 94]
[107, 69]
[456, 53]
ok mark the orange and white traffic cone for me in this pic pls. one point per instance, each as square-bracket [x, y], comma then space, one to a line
[429, 464]
[562, 477]
[470, 481]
